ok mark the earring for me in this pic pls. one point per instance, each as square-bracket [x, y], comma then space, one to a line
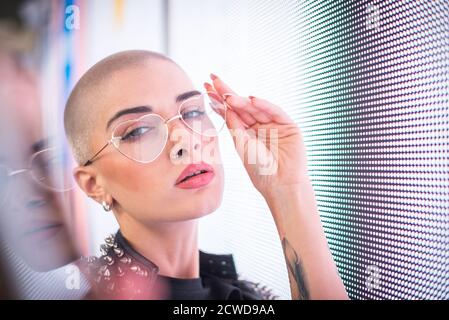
[106, 206]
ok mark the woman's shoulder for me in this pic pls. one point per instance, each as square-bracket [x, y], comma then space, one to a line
[118, 273]
[119, 269]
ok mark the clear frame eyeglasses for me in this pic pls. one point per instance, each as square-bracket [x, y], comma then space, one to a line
[47, 167]
[144, 139]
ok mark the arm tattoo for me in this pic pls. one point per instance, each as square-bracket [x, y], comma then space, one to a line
[296, 272]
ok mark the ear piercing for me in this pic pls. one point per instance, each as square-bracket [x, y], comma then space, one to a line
[106, 206]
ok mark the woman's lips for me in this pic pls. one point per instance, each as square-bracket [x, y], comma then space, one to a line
[195, 176]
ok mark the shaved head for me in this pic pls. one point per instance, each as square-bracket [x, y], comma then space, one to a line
[109, 101]
[81, 109]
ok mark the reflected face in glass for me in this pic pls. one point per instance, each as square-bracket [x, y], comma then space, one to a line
[33, 218]
[137, 104]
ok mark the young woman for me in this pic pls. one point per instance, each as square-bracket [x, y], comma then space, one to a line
[34, 223]
[148, 152]
[37, 238]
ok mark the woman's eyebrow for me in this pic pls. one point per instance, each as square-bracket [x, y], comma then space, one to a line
[140, 109]
[145, 109]
[186, 95]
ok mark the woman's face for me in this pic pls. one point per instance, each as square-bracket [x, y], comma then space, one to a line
[33, 221]
[148, 193]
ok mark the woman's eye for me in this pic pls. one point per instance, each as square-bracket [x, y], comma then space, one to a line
[136, 133]
[192, 114]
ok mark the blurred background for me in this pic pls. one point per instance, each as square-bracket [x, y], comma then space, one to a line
[367, 82]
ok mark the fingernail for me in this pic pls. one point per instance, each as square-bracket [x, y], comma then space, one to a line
[213, 76]
[251, 97]
[206, 84]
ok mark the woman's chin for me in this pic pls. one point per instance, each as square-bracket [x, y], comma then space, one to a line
[201, 204]
[203, 211]
[199, 210]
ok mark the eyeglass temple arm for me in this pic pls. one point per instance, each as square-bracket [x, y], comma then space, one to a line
[88, 162]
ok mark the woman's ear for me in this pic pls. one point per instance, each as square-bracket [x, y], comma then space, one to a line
[87, 179]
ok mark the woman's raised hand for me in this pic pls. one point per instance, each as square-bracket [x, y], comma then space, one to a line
[267, 140]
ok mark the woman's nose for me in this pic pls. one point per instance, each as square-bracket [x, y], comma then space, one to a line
[186, 147]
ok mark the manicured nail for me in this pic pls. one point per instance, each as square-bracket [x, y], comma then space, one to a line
[213, 76]
[207, 85]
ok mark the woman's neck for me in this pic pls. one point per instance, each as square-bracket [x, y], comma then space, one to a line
[173, 246]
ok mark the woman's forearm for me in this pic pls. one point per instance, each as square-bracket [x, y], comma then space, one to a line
[311, 269]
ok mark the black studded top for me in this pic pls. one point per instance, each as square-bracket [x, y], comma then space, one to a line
[122, 273]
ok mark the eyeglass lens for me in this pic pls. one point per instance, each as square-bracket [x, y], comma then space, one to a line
[144, 139]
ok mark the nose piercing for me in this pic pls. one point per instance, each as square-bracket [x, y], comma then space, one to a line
[196, 146]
